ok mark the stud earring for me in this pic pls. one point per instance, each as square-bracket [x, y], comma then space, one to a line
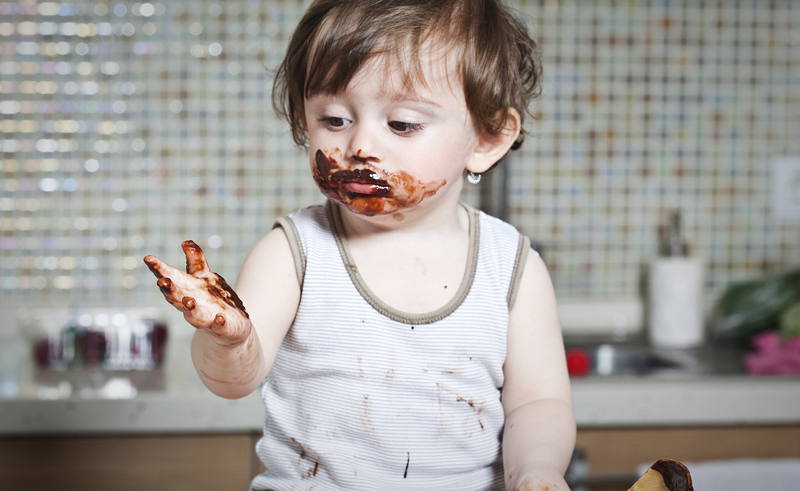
[473, 178]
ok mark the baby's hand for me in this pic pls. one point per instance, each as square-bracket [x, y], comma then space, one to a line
[207, 302]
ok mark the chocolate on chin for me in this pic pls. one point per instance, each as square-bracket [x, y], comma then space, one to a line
[665, 475]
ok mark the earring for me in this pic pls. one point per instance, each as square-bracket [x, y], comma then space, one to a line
[473, 178]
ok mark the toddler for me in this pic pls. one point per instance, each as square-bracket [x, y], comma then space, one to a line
[404, 340]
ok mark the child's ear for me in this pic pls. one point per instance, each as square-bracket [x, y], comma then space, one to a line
[492, 148]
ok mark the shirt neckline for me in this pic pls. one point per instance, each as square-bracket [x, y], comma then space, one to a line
[335, 219]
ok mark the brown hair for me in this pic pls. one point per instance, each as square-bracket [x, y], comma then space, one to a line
[499, 64]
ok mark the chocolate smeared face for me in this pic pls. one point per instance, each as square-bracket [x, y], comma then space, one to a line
[363, 188]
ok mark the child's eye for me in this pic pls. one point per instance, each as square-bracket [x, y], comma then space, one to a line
[333, 121]
[404, 128]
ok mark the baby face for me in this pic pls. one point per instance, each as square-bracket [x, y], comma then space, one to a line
[379, 148]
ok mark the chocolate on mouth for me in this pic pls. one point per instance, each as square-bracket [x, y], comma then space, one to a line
[365, 189]
[379, 187]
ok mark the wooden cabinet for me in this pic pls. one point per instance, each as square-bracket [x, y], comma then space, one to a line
[228, 462]
[617, 452]
[121, 463]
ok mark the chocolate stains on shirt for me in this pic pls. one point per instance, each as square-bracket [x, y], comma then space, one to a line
[388, 192]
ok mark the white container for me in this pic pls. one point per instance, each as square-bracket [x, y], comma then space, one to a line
[676, 302]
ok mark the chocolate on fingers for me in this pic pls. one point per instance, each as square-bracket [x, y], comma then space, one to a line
[165, 284]
[200, 314]
[159, 268]
[196, 263]
[200, 294]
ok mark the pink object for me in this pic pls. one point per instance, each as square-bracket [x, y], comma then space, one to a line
[773, 355]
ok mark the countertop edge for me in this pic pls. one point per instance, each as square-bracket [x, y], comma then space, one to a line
[712, 401]
[599, 403]
[160, 414]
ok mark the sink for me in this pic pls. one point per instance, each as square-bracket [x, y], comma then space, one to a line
[638, 358]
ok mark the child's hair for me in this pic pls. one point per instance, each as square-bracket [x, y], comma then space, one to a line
[498, 63]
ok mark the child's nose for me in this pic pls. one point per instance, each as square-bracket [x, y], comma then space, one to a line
[363, 147]
[361, 156]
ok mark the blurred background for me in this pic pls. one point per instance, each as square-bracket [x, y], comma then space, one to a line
[130, 127]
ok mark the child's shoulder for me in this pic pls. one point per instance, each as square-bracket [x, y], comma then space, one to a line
[496, 230]
[316, 211]
[497, 223]
[294, 224]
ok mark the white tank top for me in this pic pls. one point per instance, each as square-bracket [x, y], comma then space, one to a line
[365, 397]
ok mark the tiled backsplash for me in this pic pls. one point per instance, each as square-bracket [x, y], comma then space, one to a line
[129, 127]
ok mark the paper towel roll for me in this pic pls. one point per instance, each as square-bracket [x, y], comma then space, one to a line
[676, 302]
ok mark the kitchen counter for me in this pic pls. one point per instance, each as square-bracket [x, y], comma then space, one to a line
[599, 402]
[172, 400]
[634, 384]
[147, 413]
[686, 401]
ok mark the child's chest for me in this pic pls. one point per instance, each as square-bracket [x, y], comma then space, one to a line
[370, 364]
[413, 277]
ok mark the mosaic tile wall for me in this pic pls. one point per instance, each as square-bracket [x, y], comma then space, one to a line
[652, 106]
[129, 127]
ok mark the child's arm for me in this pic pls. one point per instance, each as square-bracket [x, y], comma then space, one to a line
[539, 433]
[233, 347]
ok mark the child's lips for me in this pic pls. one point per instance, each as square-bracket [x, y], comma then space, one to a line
[361, 181]
[364, 188]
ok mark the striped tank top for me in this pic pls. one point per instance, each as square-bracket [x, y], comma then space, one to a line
[366, 397]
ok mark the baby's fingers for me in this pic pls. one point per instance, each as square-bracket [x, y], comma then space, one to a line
[195, 260]
[204, 316]
[197, 314]
[161, 269]
[165, 284]
[171, 294]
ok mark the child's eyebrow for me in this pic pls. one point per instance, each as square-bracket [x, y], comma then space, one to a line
[410, 97]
